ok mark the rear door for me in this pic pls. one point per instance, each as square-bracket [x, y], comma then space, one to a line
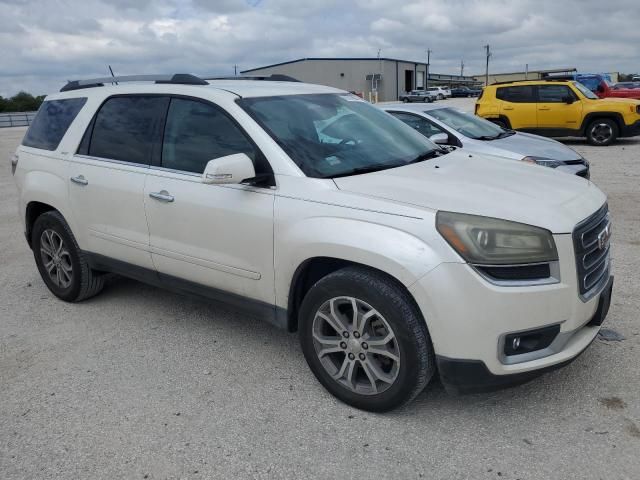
[554, 111]
[107, 175]
[518, 104]
[220, 236]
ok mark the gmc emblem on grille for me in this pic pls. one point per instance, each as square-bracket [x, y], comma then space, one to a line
[604, 236]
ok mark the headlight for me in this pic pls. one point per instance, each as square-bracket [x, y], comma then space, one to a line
[545, 162]
[491, 241]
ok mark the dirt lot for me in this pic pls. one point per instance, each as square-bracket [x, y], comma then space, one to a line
[141, 383]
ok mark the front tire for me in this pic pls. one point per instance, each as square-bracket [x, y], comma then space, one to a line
[62, 265]
[602, 132]
[440, 96]
[405, 100]
[365, 339]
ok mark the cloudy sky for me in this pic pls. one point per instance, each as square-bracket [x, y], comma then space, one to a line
[45, 42]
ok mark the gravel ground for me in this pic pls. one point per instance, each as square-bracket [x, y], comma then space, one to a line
[141, 383]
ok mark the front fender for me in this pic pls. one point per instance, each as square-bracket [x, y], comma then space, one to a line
[393, 251]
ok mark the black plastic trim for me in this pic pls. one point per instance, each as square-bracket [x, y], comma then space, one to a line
[271, 313]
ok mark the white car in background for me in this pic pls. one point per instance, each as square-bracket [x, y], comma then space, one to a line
[441, 93]
[450, 126]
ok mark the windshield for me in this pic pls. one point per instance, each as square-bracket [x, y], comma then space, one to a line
[585, 91]
[332, 135]
[467, 124]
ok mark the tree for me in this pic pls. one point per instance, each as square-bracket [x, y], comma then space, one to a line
[21, 102]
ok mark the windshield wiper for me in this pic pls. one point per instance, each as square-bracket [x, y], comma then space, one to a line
[360, 170]
[428, 155]
[506, 133]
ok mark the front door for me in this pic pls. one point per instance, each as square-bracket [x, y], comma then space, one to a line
[553, 109]
[107, 177]
[219, 236]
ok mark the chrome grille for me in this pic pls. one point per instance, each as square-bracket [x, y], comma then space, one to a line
[591, 244]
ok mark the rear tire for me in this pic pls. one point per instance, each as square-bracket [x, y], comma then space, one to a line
[440, 96]
[62, 265]
[500, 123]
[602, 132]
[405, 100]
[398, 363]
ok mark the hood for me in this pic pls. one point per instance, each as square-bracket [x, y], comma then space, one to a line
[615, 102]
[528, 145]
[485, 185]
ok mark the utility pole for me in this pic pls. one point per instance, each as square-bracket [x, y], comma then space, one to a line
[426, 80]
[461, 69]
[486, 75]
[235, 70]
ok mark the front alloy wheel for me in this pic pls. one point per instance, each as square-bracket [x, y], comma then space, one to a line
[355, 345]
[602, 132]
[365, 339]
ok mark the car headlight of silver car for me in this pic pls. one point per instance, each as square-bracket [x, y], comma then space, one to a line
[492, 241]
[545, 162]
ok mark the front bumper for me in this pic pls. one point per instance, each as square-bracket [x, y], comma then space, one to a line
[631, 130]
[468, 318]
[473, 376]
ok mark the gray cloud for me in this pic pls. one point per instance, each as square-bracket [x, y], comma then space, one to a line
[43, 43]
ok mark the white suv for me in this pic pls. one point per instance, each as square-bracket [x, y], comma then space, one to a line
[441, 93]
[303, 204]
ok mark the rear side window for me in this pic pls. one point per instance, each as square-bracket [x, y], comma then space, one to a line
[197, 132]
[126, 128]
[521, 94]
[51, 123]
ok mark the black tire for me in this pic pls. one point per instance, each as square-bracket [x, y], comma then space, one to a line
[393, 302]
[500, 123]
[426, 100]
[602, 132]
[84, 282]
[440, 96]
[405, 100]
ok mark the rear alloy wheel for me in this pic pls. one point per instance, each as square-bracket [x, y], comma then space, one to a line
[61, 263]
[602, 132]
[440, 96]
[365, 340]
[405, 100]
[426, 100]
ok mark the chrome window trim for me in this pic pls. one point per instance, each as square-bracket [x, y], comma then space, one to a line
[111, 160]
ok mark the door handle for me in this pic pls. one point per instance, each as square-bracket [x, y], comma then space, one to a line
[80, 180]
[163, 196]
[544, 108]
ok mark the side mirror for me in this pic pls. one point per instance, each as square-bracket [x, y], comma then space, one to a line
[230, 169]
[568, 99]
[440, 138]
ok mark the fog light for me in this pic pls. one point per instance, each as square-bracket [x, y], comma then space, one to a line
[530, 341]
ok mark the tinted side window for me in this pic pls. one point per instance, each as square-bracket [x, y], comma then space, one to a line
[422, 125]
[51, 123]
[553, 93]
[523, 94]
[197, 132]
[127, 127]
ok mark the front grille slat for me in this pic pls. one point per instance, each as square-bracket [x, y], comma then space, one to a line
[592, 259]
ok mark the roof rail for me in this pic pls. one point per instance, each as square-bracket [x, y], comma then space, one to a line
[546, 79]
[274, 77]
[178, 78]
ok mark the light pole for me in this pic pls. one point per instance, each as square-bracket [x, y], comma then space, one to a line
[426, 80]
[486, 75]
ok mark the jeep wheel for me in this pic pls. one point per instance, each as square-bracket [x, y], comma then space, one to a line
[602, 132]
[365, 340]
[61, 263]
[500, 123]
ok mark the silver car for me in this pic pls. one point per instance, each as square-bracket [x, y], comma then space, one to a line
[450, 126]
[418, 96]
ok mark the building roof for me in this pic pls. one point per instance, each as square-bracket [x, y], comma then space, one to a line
[553, 70]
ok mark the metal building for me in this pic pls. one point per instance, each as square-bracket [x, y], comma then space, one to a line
[388, 77]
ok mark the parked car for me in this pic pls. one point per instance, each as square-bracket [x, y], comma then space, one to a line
[559, 109]
[602, 86]
[465, 91]
[448, 126]
[418, 96]
[392, 258]
[625, 85]
[441, 93]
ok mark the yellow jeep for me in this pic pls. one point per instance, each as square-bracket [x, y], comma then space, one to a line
[559, 109]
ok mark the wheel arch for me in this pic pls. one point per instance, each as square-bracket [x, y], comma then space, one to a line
[311, 270]
[591, 116]
[32, 211]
